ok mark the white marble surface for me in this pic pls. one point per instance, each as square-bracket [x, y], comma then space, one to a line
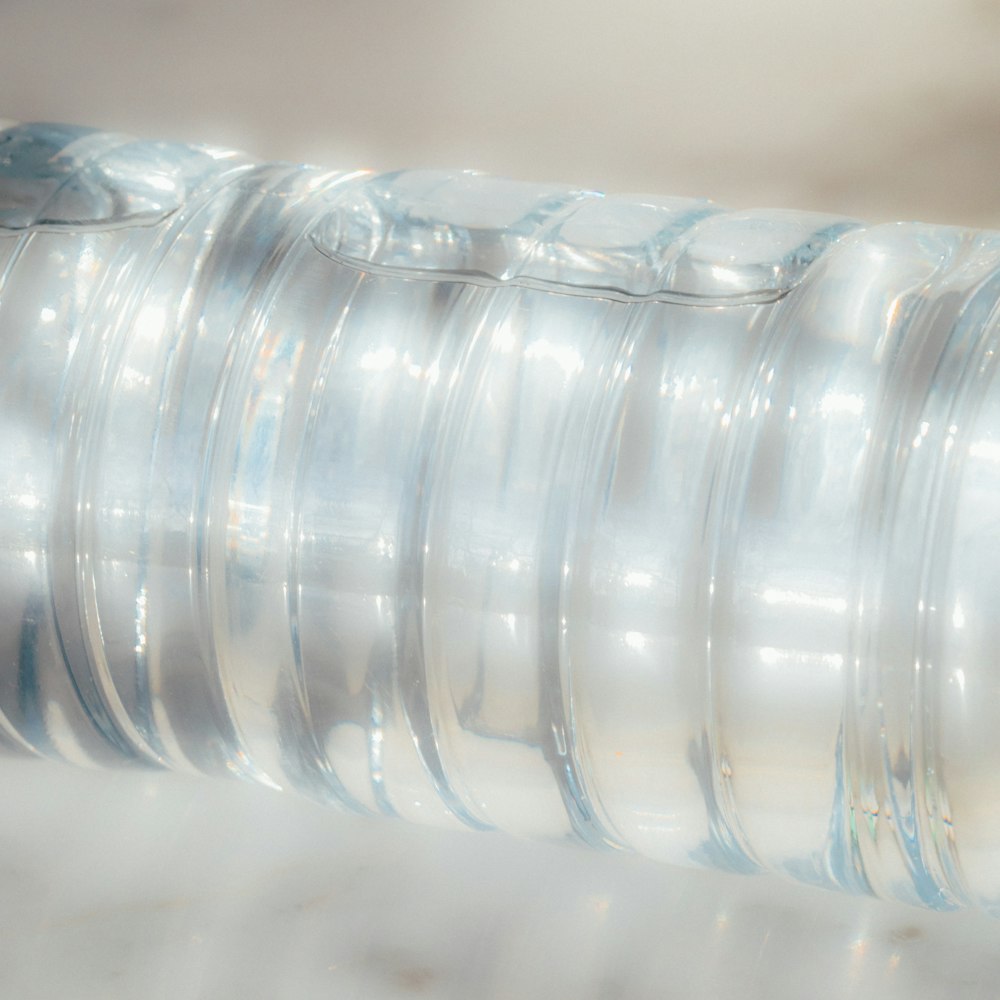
[158, 886]
[133, 885]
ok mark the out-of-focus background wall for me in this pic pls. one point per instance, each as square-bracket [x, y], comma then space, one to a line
[128, 885]
[887, 110]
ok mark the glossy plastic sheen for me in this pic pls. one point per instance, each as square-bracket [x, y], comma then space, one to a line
[497, 505]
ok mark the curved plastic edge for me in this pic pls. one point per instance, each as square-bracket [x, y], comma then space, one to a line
[472, 228]
[68, 178]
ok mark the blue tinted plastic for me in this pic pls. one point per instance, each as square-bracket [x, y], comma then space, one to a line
[496, 505]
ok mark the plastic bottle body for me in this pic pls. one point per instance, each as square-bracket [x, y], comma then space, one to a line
[501, 506]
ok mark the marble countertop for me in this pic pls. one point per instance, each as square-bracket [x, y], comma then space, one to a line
[137, 884]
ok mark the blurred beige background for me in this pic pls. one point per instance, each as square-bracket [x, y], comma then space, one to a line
[888, 110]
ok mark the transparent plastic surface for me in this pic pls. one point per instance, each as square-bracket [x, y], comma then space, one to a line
[494, 505]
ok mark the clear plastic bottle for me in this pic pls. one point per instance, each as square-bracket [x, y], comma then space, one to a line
[490, 504]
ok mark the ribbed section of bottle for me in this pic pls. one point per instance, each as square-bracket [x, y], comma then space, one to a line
[491, 505]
